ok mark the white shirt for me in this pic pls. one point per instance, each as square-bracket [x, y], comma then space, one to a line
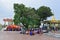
[41, 25]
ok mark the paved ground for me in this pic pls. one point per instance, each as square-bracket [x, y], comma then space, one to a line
[17, 36]
[54, 34]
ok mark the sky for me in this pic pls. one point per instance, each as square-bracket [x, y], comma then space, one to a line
[7, 10]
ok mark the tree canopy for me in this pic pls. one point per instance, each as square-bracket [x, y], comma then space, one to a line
[44, 12]
[30, 16]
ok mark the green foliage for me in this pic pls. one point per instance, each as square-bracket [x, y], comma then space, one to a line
[1, 26]
[30, 16]
[44, 12]
[18, 9]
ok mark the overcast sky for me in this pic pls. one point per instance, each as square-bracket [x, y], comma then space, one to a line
[6, 7]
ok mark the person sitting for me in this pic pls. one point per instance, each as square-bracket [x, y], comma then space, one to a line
[38, 32]
[27, 32]
[31, 32]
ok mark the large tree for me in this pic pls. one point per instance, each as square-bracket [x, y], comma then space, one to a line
[18, 9]
[30, 16]
[25, 15]
[44, 12]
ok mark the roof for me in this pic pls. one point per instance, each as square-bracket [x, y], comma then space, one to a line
[53, 20]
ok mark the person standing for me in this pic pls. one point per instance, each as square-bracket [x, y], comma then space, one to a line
[41, 26]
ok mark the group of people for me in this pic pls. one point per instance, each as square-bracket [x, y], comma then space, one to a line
[32, 31]
[53, 28]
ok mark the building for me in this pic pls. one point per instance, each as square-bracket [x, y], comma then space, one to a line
[53, 22]
[8, 21]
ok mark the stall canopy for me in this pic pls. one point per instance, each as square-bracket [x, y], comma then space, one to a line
[13, 26]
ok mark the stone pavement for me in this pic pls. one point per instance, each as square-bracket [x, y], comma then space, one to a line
[54, 34]
[15, 35]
